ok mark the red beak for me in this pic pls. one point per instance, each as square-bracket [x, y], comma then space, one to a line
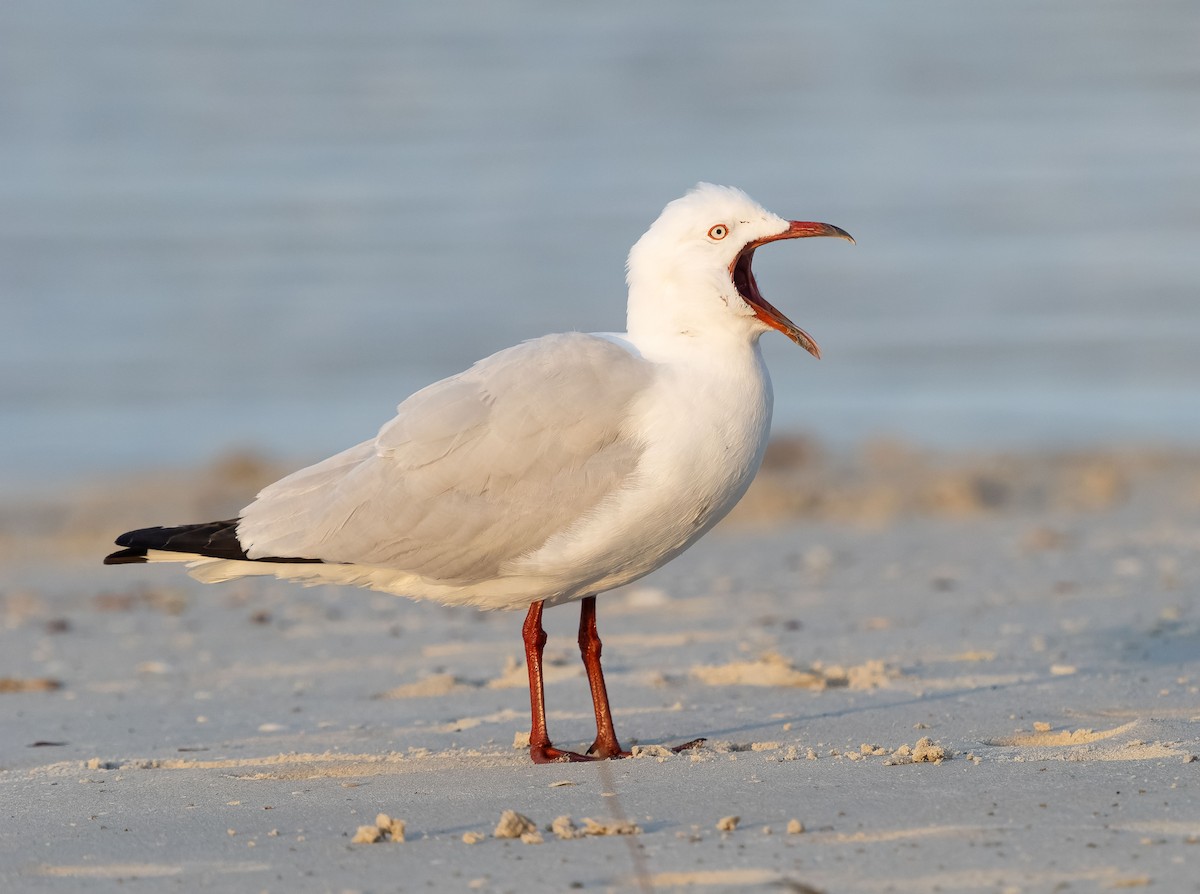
[743, 279]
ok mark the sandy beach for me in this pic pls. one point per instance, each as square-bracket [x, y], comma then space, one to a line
[915, 672]
[942, 668]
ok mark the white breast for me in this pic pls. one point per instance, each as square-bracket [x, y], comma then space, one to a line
[705, 423]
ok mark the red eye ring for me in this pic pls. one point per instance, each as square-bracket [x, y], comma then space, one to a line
[719, 231]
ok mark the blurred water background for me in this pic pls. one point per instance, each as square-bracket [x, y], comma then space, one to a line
[262, 224]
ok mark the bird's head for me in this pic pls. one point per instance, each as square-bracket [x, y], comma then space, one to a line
[691, 271]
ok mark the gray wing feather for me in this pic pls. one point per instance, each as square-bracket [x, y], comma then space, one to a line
[474, 471]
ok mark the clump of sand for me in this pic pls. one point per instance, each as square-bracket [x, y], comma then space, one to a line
[659, 752]
[385, 829]
[517, 825]
[926, 751]
[564, 828]
[616, 827]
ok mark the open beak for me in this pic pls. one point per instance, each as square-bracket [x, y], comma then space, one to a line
[743, 279]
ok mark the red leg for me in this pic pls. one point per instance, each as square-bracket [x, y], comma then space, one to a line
[606, 744]
[540, 748]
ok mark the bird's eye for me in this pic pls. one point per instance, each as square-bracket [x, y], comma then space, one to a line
[720, 231]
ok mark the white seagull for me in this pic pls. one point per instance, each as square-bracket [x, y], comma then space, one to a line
[551, 471]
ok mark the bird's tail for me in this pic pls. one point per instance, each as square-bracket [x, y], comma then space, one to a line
[217, 540]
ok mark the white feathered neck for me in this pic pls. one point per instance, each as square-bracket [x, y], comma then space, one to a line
[680, 287]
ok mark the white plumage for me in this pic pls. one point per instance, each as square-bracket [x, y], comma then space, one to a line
[559, 468]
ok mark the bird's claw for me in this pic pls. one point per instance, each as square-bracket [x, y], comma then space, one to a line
[548, 754]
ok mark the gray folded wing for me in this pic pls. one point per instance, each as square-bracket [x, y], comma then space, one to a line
[474, 471]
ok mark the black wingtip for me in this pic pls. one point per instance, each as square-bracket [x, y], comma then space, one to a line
[126, 557]
[216, 540]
